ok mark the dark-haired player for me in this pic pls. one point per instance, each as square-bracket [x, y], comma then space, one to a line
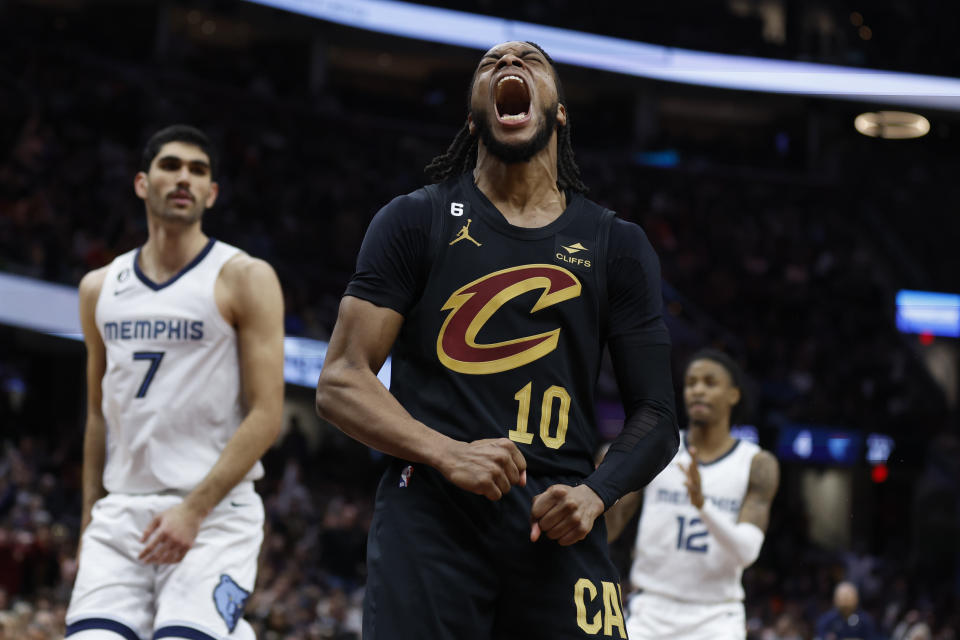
[703, 522]
[184, 342]
[497, 289]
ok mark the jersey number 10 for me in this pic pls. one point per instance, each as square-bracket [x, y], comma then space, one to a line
[521, 435]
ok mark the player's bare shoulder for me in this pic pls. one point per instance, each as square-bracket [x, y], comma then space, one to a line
[247, 285]
[761, 489]
[92, 282]
[764, 473]
[89, 289]
[244, 275]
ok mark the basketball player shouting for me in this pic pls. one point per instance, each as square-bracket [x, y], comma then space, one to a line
[496, 289]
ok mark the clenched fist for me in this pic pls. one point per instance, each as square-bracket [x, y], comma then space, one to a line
[487, 467]
[564, 513]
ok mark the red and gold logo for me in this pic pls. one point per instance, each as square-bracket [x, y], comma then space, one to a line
[472, 305]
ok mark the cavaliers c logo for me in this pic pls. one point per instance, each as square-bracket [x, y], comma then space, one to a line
[472, 305]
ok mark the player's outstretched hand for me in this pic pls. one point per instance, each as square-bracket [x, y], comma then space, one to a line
[564, 513]
[488, 467]
[170, 535]
[692, 481]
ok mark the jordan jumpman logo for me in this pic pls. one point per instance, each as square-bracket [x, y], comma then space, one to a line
[464, 234]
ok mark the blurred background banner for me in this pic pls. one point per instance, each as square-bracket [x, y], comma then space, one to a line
[658, 62]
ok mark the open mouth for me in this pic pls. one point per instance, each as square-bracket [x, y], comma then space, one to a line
[512, 99]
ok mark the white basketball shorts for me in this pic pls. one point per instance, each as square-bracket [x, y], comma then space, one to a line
[656, 617]
[200, 597]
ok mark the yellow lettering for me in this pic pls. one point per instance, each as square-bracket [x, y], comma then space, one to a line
[520, 434]
[546, 413]
[583, 585]
[569, 260]
[612, 614]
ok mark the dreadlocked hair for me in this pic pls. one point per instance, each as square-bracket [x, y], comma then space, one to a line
[568, 173]
[461, 156]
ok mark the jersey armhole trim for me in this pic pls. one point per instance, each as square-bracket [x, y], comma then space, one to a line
[221, 322]
[111, 269]
[603, 240]
[436, 225]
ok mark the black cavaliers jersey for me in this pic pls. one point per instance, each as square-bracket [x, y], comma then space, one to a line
[505, 326]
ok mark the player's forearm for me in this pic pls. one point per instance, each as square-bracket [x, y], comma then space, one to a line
[94, 457]
[357, 403]
[650, 436]
[649, 440]
[253, 437]
[741, 539]
[620, 513]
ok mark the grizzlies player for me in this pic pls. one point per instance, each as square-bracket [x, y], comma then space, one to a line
[184, 342]
[703, 518]
[497, 289]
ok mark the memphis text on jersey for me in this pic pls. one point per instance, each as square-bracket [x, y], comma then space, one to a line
[682, 497]
[169, 330]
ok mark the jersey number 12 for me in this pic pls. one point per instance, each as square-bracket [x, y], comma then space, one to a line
[689, 539]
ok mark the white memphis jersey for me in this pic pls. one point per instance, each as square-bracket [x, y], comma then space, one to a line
[675, 555]
[172, 389]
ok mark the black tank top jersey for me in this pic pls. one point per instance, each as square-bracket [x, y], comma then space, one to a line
[504, 326]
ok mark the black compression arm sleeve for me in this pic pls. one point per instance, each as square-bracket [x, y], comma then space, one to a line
[650, 436]
[640, 349]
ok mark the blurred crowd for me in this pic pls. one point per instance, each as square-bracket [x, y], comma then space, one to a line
[311, 571]
[802, 293]
[783, 273]
[310, 578]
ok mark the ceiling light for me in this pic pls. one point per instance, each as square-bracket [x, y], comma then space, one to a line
[892, 124]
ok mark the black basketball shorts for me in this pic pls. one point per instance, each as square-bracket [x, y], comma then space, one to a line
[446, 563]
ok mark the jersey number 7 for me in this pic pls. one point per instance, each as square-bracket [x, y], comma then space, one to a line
[154, 357]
